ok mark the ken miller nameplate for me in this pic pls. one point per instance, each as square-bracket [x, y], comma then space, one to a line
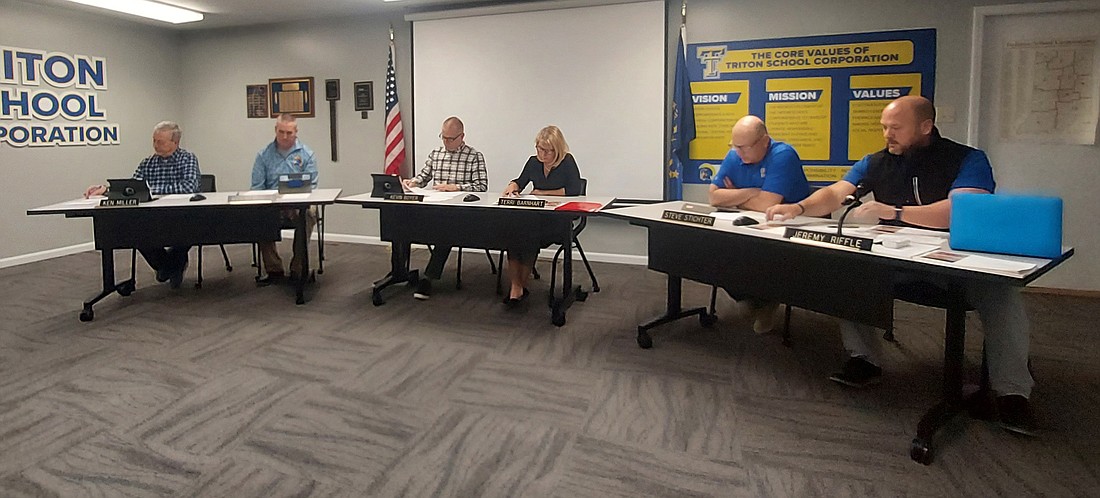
[698, 219]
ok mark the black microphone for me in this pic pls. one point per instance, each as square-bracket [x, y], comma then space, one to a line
[853, 201]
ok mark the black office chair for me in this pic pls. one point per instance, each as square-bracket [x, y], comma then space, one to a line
[458, 271]
[578, 227]
[207, 183]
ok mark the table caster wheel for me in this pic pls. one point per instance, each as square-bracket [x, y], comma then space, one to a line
[376, 299]
[920, 452]
[126, 288]
[644, 340]
[558, 318]
[87, 315]
[595, 288]
[708, 320]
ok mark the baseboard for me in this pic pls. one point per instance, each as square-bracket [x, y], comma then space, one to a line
[44, 255]
[1054, 291]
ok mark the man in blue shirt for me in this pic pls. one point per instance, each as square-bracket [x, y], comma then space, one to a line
[913, 179]
[170, 170]
[283, 156]
[758, 173]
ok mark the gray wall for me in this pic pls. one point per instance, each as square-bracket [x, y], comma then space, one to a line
[142, 89]
[214, 66]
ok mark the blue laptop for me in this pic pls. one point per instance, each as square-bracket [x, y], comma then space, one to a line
[1007, 224]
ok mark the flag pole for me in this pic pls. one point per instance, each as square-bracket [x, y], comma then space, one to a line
[683, 15]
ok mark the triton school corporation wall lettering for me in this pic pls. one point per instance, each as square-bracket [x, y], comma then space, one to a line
[52, 99]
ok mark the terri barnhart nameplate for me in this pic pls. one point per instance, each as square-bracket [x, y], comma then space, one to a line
[131, 201]
[861, 243]
[515, 201]
[404, 197]
[697, 219]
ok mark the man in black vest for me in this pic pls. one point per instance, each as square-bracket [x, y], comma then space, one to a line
[912, 180]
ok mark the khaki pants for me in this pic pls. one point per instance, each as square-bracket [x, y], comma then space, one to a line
[270, 256]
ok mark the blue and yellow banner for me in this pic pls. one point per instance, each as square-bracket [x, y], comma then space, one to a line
[821, 94]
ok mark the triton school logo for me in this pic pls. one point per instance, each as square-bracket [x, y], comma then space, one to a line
[710, 57]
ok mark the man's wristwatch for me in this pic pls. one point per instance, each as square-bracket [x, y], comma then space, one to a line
[897, 213]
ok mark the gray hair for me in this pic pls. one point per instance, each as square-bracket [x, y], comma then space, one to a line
[169, 126]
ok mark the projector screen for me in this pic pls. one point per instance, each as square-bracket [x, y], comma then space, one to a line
[596, 72]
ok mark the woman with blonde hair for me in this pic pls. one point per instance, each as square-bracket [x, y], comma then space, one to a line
[551, 171]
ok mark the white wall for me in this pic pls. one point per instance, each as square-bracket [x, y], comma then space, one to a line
[142, 89]
[218, 65]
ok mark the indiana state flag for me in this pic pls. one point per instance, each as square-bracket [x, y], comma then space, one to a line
[683, 125]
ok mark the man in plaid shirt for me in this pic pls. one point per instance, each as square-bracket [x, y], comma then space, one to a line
[455, 167]
[170, 170]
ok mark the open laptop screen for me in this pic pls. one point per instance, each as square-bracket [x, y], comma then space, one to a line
[128, 188]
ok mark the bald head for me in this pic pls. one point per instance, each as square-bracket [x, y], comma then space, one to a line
[453, 133]
[907, 122]
[750, 139]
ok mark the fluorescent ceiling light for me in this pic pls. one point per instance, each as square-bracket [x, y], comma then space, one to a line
[145, 8]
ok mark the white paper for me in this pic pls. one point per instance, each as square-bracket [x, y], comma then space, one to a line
[294, 197]
[997, 264]
[177, 197]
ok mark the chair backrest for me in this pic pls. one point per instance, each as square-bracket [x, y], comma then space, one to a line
[584, 186]
[207, 183]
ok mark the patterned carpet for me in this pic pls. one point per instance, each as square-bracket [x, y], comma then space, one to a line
[232, 390]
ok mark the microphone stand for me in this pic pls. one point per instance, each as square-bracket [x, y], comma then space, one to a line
[853, 202]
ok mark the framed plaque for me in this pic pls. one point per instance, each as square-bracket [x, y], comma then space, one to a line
[364, 95]
[332, 89]
[256, 101]
[292, 96]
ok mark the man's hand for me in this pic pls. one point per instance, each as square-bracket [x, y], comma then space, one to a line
[782, 212]
[874, 209]
[409, 183]
[95, 190]
[446, 187]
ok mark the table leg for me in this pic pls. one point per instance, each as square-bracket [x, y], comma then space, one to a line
[399, 272]
[952, 402]
[124, 288]
[673, 312]
[301, 246]
[568, 294]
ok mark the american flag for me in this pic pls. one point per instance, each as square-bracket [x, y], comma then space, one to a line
[395, 135]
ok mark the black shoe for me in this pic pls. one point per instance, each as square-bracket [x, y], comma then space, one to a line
[512, 302]
[163, 275]
[858, 372]
[423, 289]
[177, 278]
[1014, 415]
[271, 278]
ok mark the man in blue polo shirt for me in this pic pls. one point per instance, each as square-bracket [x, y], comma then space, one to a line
[758, 173]
[913, 179]
[285, 155]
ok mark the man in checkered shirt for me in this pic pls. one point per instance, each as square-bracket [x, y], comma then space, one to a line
[455, 167]
[170, 170]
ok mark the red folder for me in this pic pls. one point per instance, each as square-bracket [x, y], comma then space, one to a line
[587, 207]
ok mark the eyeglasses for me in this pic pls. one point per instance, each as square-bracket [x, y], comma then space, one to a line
[450, 139]
[544, 149]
